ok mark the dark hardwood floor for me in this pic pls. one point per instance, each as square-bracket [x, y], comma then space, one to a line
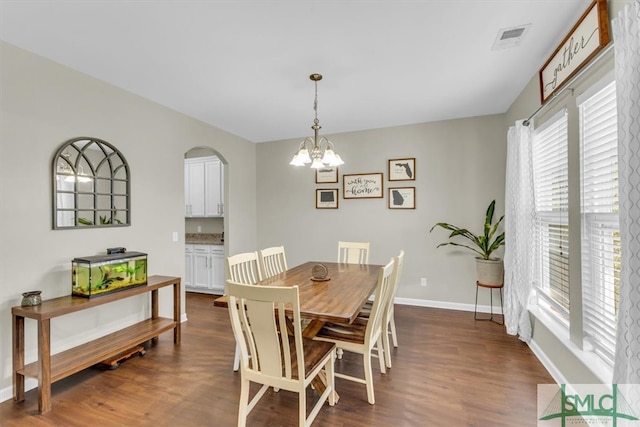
[447, 371]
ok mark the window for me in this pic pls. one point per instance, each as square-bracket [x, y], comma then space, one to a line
[599, 213]
[550, 172]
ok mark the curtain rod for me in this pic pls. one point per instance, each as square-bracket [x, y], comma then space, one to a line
[594, 61]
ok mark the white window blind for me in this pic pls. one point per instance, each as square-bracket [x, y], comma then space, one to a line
[550, 171]
[600, 219]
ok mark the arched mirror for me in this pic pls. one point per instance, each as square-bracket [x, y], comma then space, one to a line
[90, 185]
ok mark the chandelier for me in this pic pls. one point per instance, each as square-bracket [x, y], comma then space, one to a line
[317, 151]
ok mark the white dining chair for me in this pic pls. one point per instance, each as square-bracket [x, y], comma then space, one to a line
[243, 268]
[364, 338]
[273, 261]
[389, 324]
[258, 314]
[353, 252]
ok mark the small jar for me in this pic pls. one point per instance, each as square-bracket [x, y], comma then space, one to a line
[31, 298]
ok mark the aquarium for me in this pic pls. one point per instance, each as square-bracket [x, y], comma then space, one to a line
[93, 276]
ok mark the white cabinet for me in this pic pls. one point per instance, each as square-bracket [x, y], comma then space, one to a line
[217, 273]
[201, 266]
[204, 268]
[203, 187]
[214, 200]
[194, 181]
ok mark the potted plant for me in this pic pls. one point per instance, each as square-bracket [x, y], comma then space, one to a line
[490, 270]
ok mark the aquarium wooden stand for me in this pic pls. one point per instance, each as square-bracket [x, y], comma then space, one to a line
[49, 369]
[114, 362]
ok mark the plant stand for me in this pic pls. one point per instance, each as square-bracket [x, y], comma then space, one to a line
[491, 288]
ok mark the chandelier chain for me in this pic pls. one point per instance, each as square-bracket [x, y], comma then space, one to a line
[315, 103]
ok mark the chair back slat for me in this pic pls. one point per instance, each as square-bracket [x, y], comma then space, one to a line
[258, 318]
[261, 327]
[353, 252]
[243, 268]
[273, 261]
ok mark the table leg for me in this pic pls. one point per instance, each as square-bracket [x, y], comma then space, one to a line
[44, 365]
[18, 358]
[154, 304]
[154, 310]
[177, 334]
[312, 329]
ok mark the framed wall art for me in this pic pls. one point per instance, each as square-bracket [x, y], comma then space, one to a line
[327, 198]
[402, 198]
[327, 175]
[362, 186]
[587, 37]
[402, 169]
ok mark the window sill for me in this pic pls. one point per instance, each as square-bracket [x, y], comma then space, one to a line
[590, 360]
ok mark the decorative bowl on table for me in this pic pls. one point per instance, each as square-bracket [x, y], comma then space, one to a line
[319, 273]
[31, 298]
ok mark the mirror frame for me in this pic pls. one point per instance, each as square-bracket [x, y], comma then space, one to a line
[82, 160]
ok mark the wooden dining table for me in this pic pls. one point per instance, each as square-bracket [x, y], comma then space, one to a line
[338, 299]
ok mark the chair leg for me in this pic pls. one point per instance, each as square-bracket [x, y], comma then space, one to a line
[236, 359]
[243, 410]
[386, 346]
[368, 377]
[302, 408]
[330, 373]
[381, 355]
[394, 334]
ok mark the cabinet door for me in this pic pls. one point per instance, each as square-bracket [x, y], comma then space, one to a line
[213, 190]
[201, 267]
[217, 273]
[188, 265]
[195, 188]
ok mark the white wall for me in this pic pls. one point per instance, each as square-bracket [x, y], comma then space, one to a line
[44, 104]
[460, 168]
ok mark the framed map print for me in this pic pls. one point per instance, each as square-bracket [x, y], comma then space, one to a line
[402, 198]
[327, 175]
[327, 198]
[402, 169]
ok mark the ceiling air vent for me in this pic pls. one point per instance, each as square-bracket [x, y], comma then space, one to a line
[510, 37]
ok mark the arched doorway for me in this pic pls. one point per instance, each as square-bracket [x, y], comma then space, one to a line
[205, 240]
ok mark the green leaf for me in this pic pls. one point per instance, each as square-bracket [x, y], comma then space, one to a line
[484, 244]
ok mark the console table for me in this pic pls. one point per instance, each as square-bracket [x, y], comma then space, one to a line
[49, 369]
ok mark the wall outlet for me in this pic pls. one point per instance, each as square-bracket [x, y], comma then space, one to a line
[423, 281]
[199, 229]
[174, 236]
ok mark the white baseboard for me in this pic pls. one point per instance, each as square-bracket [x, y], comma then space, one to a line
[446, 305]
[547, 363]
[7, 392]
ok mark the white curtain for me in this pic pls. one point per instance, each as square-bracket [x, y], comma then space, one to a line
[519, 231]
[626, 37]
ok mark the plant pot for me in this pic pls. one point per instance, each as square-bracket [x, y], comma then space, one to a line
[490, 271]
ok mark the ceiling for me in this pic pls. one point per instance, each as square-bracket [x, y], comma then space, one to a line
[244, 66]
